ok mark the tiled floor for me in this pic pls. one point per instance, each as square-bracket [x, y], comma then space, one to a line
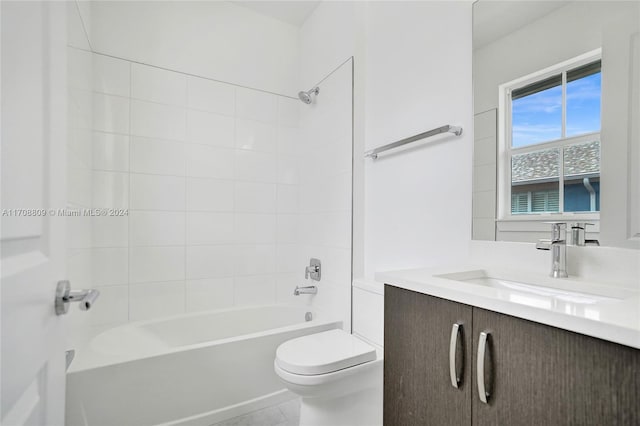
[285, 414]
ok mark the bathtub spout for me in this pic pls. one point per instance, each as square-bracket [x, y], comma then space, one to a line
[312, 289]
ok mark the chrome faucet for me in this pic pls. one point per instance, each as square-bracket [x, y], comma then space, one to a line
[311, 289]
[558, 247]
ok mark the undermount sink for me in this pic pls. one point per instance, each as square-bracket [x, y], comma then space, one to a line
[558, 290]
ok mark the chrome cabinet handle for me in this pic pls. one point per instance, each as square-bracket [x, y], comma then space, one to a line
[482, 347]
[456, 379]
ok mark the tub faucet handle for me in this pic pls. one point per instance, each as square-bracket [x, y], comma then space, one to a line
[313, 270]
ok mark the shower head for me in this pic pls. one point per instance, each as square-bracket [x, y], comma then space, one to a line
[306, 96]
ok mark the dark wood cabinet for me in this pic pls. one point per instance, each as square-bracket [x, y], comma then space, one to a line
[534, 374]
[547, 376]
[417, 384]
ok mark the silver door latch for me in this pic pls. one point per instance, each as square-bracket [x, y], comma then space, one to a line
[64, 296]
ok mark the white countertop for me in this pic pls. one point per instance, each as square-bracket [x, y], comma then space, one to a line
[614, 316]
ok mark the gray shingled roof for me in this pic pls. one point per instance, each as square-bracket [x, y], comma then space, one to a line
[582, 159]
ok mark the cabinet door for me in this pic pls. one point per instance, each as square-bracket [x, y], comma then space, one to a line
[546, 376]
[417, 384]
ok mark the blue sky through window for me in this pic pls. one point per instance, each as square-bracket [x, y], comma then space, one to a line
[538, 117]
[583, 105]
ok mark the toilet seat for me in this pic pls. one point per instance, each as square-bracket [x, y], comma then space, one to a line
[322, 353]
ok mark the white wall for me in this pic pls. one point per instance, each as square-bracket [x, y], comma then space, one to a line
[418, 77]
[214, 39]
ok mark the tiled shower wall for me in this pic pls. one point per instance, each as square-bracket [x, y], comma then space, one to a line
[208, 173]
[326, 191]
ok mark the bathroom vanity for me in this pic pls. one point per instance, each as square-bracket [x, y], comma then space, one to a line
[462, 349]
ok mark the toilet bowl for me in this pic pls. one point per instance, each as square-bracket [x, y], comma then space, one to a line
[337, 375]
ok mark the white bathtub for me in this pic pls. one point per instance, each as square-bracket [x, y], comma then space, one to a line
[194, 369]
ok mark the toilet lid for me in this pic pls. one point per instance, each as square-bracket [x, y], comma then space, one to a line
[322, 353]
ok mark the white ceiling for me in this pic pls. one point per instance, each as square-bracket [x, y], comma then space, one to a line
[292, 12]
[495, 19]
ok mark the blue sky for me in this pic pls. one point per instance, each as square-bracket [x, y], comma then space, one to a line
[538, 118]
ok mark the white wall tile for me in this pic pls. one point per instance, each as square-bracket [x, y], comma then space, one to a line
[110, 113]
[255, 197]
[287, 230]
[287, 199]
[285, 284]
[79, 190]
[148, 264]
[155, 192]
[336, 266]
[210, 261]
[210, 162]
[158, 85]
[111, 76]
[110, 231]
[155, 300]
[113, 306]
[156, 228]
[210, 129]
[109, 266]
[110, 190]
[211, 96]
[484, 178]
[81, 146]
[255, 228]
[289, 141]
[255, 135]
[256, 105]
[158, 121]
[484, 150]
[78, 231]
[110, 152]
[255, 290]
[287, 259]
[256, 166]
[209, 228]
[484, 204]
[255, 259]
[288, 169]
[211, 293]
[337, 229]
[209, 195]
[79, 266]
[157, 156]
[288, 111]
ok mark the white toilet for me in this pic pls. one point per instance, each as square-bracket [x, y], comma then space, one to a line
[338, 376]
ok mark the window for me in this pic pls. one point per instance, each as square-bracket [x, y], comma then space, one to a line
[551, 161]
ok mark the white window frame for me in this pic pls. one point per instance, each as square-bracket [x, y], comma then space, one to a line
[505, 150]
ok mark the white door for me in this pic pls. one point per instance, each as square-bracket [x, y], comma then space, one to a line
[33, 150]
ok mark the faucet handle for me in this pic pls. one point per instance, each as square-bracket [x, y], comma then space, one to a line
[557, 230]
[578, 235]
[544, 244]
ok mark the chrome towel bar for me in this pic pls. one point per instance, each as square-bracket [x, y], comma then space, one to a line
[457, 130]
